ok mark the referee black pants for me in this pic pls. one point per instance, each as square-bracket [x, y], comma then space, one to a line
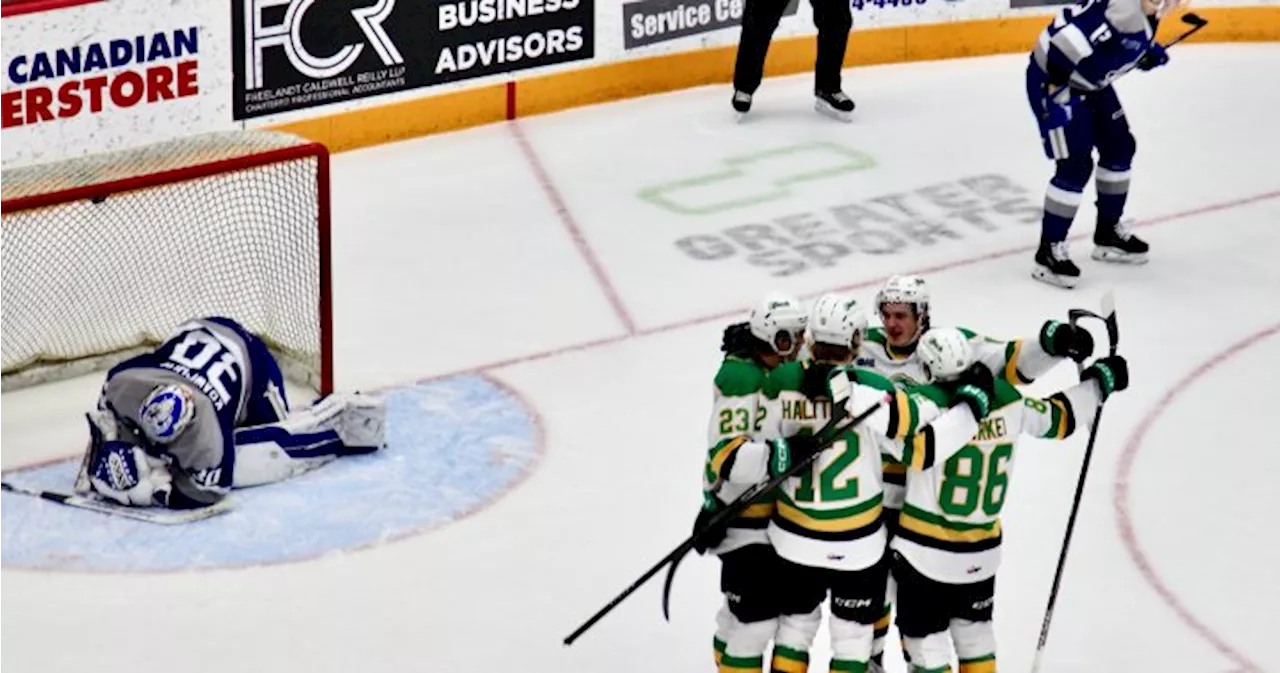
[759, 20]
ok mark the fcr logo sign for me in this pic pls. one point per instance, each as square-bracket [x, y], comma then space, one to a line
[288, 34]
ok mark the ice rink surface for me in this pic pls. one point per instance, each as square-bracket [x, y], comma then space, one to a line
[586, 262]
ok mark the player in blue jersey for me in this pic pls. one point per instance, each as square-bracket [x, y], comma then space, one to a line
[1069, 77]
[206, 412]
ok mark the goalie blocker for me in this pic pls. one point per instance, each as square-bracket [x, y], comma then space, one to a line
[206, 412]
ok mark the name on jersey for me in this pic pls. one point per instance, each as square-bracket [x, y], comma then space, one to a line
[990, 428]
[805, 410]
[211, 391]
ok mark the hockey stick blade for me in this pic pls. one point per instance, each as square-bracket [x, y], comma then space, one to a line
[148, 514]
[1195, 21]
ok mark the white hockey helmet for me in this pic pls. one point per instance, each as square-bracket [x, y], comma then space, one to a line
[836, 320]
[905, 290]
[945, 353]
[166, 412]
[775, 315]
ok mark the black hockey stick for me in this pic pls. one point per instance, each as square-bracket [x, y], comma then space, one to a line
[827, 434]
[733, 509]
[1196, 21]
[1108, 316]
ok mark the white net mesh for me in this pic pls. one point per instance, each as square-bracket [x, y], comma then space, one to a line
[233, 225]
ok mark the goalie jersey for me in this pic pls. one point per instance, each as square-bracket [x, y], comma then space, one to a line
[234, 383]
[950, 523]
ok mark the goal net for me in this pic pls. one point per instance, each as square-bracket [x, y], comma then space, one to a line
[104, 256]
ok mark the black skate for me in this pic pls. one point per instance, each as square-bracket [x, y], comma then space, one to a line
[834, 104]
[741, 103]
[1117, 245]
[1054, 265]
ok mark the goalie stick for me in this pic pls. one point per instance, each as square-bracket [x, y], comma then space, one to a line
[1107, 316]
[832, 430]
[148, 514]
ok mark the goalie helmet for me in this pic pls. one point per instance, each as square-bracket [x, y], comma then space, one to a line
[166, 412]
[777, 315]
[836, 320]
[945, 353]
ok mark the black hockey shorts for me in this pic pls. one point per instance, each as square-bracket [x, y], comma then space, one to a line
[748, 579]
[856, 595]
[926, 606]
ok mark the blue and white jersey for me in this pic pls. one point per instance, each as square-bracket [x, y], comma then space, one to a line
[232, 379]
[1089, 46]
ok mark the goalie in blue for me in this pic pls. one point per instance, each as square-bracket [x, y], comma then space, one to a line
[1072, 66]
[204, 413]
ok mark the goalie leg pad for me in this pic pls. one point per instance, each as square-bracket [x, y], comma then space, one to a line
[339, 425]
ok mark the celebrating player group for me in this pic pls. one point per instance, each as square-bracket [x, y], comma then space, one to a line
[898, 513]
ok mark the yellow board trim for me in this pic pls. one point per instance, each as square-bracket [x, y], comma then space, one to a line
[668, 72]
[937, 532]
[847, 524]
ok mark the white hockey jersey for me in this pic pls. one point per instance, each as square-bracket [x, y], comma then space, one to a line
[950, 523]
[1018, 362]
[831, 515]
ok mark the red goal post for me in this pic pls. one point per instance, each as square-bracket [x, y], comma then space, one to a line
[103, 256]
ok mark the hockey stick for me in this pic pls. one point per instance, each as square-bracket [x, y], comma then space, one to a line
[1196, 21]
[1108, 316]
[731, 510]
[827, 434]
[147, 514]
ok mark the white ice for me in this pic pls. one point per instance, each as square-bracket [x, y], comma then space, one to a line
[451, 255]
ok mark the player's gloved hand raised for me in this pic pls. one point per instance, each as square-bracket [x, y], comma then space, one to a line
[975, 387]
[1154, 57]
[793, 450]
[705, 535]
[1111, 373]
[1065, 340]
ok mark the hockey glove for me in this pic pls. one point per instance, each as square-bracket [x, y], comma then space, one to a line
[1055, 113]
[816, 381]
[976, 388]
[1111, 373]
[126, 474]
[706, 536]
[1154, 57]
[793, 450]
[1064, 340]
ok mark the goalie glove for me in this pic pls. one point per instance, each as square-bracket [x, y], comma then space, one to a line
[124, 473]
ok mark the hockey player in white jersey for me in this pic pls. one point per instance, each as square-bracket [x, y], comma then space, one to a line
[180, 426]
[903, 303]
[947, 549]
[772, 335]
[827, 524]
